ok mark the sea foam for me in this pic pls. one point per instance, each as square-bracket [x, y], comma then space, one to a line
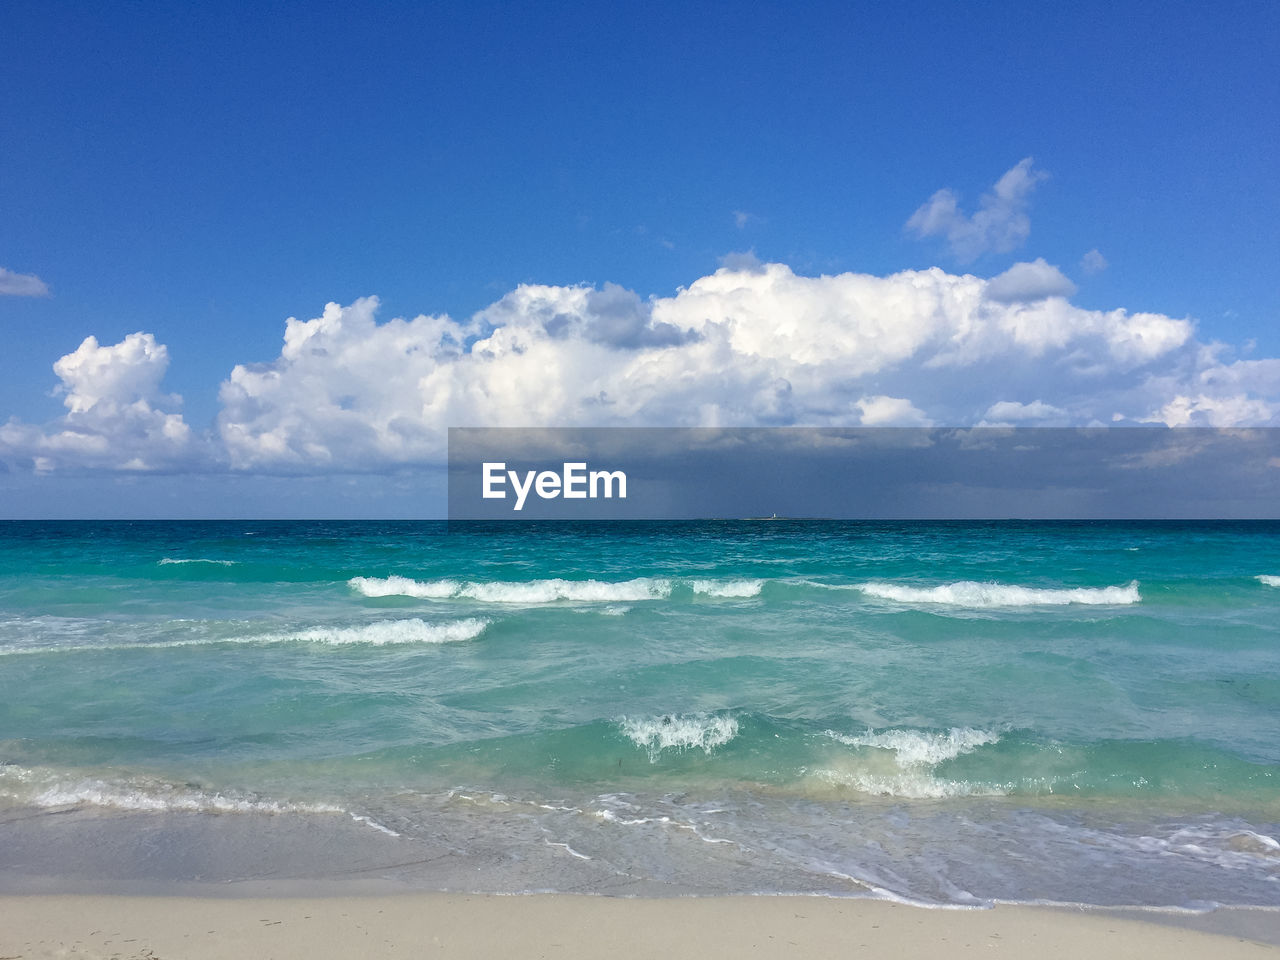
[221, 563]
[914, 748]
[728, 588]
[907, 770]
[383, 632]
[970, 593]
[679, 732]
[45, 788]
[527, 592]
[379, 633]
[1268, 579]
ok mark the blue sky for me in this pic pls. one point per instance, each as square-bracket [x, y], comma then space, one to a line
[202, 173]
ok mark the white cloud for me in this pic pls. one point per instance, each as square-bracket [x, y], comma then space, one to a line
[1093, 262]
[1208, 411]
[999, 224]
[884, 411]
[1013, 411]
[1026, 282]
[751, 344]
[742, 261]
[741, 218]
[117, 418]
[21, 284]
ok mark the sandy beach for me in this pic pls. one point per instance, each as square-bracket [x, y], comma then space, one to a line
[457, 925]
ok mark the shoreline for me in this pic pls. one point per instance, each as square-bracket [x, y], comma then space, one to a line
[142, 861]
[569, 926]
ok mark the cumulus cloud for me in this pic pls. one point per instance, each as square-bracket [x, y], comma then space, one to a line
[1011, 411]
[891, 412]
[1213, 411]
[1026, 282]
[751, 344]
[1093, 262]
[21, 284]
[116, 418]
[1000, 223]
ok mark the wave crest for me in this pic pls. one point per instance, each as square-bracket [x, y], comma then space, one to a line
[899, 763]
[971, 593]
[728, 588]
[528, 592]
[384, 632]
[679, 732]
[915, 748]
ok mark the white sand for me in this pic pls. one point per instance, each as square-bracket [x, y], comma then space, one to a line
[461, 926]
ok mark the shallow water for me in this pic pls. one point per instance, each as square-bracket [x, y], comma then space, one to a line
[947, 713]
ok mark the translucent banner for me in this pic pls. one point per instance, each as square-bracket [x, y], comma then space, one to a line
[862, 472]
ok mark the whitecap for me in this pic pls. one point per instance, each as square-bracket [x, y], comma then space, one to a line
[914, 748]
[679, 732]
[383, 632]
[970, 593]
[903, 761]
[527, 592]
[728, 588]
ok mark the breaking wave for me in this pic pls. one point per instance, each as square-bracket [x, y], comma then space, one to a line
[915, 748]
[532, 591]
[679, 732]
[383, 632]
[899, 763]
[728, 588]
[970, 593]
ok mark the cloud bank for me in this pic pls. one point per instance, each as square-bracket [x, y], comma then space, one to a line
[752, 344]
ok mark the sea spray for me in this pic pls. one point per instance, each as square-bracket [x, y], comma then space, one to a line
[679, 732]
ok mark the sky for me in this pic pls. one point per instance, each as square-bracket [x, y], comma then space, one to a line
[609, 215]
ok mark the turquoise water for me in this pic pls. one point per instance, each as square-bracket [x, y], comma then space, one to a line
[947, 713]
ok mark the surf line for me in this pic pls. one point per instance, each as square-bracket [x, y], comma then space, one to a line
[573, 482]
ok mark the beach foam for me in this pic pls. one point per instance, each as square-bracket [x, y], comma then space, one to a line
[970, 593]
[1268, 579]
[41, 787]
[907, 784]
[908, 770]
[221, 563]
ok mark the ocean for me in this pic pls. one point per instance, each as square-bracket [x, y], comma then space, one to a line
[944, 713]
